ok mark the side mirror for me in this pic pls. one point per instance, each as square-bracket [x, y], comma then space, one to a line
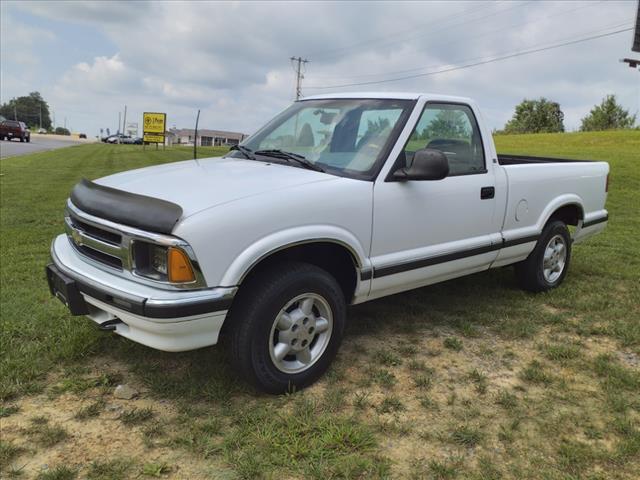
[428, 164]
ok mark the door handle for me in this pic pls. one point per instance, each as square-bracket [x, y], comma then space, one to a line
[487, 192]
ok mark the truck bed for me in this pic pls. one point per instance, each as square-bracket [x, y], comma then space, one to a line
[508, 159]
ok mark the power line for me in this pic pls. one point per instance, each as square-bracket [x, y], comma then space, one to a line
[323, 54]
[431, 32]
[475, 64]
[483, 34]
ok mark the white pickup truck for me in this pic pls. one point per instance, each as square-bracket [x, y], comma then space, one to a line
[338, 200]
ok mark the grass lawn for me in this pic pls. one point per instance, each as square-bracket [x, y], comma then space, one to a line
[472, 378]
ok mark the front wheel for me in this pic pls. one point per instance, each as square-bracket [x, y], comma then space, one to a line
[286, 326]
[546, 267]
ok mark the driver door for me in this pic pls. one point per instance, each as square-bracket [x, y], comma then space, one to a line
[426, 231]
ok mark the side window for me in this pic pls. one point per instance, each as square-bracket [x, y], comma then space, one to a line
[453, 130]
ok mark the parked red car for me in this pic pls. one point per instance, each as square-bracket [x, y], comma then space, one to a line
[10, 129]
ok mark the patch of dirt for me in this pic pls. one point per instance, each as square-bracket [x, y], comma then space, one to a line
[101, 438]
[461, 415]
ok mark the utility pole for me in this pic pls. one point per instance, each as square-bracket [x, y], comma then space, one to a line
[124, 122]
[40, 115]
[298, 62]
[195, 138]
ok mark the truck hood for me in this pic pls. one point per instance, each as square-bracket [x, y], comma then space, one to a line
[200, 184]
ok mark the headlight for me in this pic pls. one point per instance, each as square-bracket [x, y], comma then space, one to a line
[168, 264]
[158, 259]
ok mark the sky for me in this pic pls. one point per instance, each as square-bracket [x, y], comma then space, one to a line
[232, 61]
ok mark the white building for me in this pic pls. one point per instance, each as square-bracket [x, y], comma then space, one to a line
[206, 138]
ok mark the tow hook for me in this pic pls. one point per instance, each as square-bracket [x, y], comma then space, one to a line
[110, 325]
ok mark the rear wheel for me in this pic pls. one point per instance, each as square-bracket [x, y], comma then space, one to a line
[546, 267]
[286, 326]
[21, 139]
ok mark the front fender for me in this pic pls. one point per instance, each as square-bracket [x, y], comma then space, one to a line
[281, 240]
[230, 238]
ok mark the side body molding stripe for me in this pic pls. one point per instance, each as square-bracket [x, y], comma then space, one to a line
[596, 221]
[449, 257]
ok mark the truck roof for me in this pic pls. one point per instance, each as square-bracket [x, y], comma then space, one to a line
[391, 96]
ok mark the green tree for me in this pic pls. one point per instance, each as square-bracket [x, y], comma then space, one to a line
[377, 126]
[536, 116]
[29, 110]
[607, 116]
[452, 124]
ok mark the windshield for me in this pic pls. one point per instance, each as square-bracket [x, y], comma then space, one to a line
[348, 137]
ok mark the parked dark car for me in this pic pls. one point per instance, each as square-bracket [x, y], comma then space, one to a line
[10, 129]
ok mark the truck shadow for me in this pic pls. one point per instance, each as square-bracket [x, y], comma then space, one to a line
[468, 303]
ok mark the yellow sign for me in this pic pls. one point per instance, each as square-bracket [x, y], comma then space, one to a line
[154, 123]
[152, 138]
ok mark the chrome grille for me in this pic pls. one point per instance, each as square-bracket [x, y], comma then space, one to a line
[112, 245]
[95, 242]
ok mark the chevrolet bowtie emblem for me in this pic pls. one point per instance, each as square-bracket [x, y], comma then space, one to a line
[77, 237]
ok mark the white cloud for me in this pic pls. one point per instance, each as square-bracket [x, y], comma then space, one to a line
[19, 42]
[231, 59]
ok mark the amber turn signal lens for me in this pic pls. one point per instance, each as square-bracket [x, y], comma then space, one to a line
[180, 270]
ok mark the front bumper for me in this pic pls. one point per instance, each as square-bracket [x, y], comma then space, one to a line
[169, 320]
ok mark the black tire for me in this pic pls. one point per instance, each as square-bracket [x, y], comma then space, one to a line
[21, 139]
[28, 139]
[530, 272]
[254, 312]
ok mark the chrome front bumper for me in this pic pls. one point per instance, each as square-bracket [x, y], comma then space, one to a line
[170, 320]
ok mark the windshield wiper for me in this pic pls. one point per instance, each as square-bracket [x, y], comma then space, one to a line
[243, 150]
[275, 153]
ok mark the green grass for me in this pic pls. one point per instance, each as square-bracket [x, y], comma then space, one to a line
[137, 416]
[115, 469]
[466, 436]
[391, 404]
[60, 472]
[90, 411]
[8, 410]
[8, 452]
[272, 440]
[546, 385]
[45, 434]
[33, 191]
[453, 343]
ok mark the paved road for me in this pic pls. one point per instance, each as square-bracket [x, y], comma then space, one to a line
[38, 143]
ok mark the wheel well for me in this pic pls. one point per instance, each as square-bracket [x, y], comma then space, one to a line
[569, 214]
[332, 257]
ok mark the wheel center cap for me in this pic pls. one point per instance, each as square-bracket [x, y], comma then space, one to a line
[302, 333]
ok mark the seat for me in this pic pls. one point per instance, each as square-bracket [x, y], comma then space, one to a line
[458, 153]
[305, 137]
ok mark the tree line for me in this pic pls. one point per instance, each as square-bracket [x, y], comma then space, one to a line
[545, 116]
[530, 116]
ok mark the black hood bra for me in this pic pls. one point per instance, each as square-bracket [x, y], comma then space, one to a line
[138, 211]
